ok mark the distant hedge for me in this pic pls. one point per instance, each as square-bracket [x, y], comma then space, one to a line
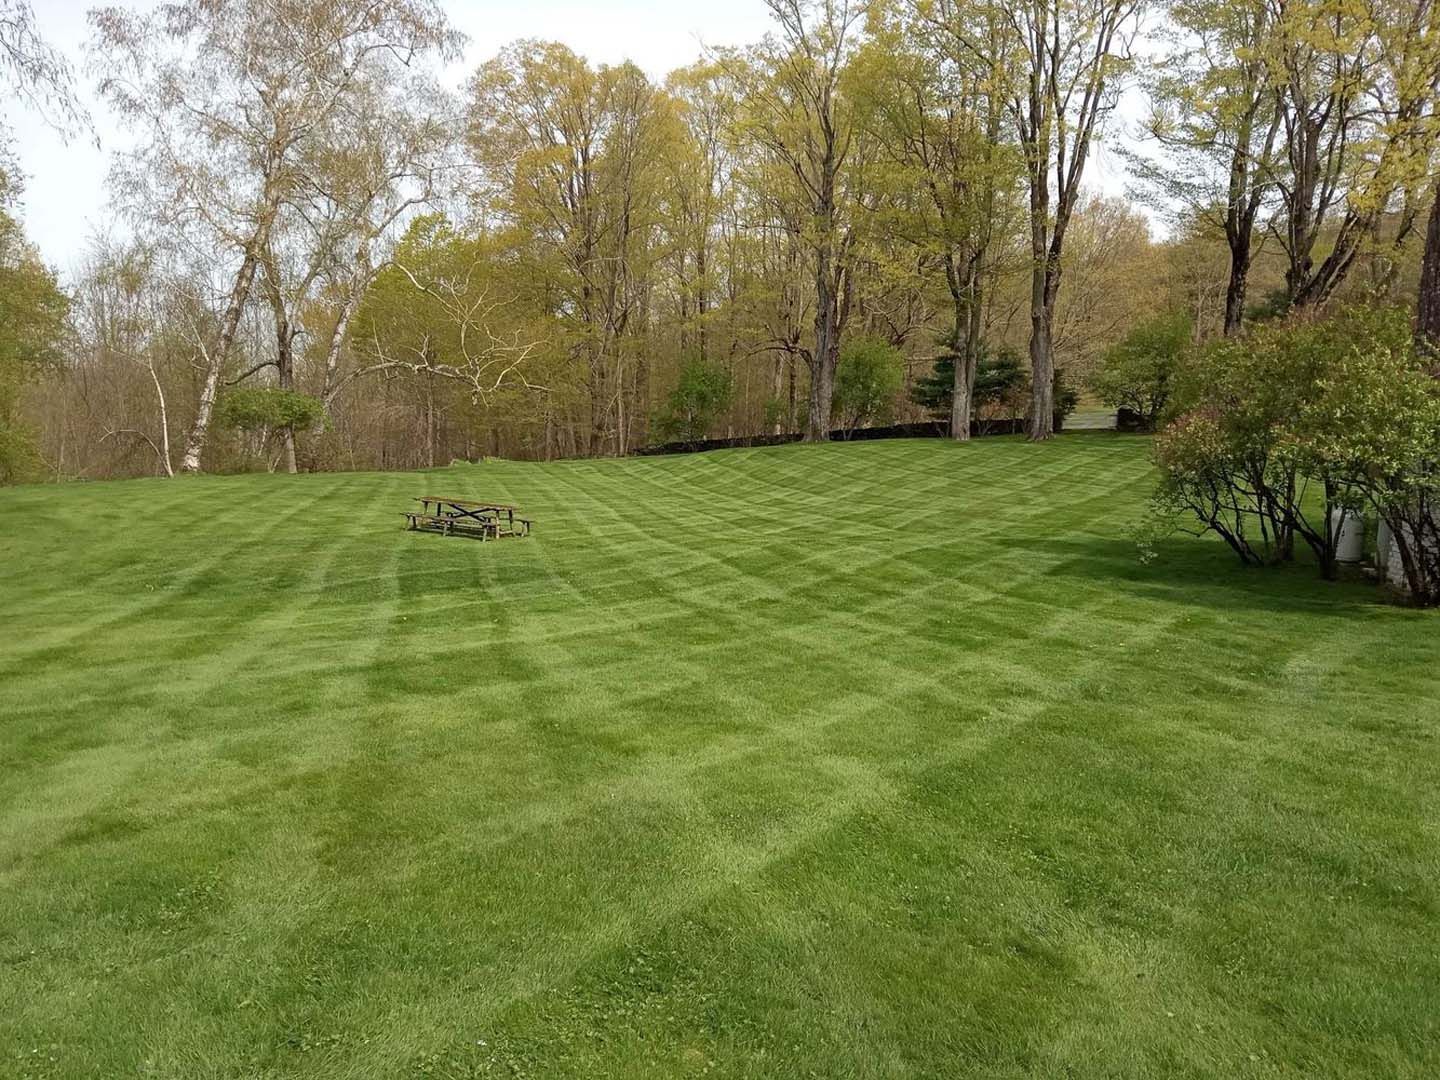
[927, 429]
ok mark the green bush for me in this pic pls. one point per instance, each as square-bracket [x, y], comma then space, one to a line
[1064, 398]
[1342, 408]
[265, 408]
[33, 327]
[19, 460]
[1002, 384]
[867, 380]
[1138, 373]
[700, 397]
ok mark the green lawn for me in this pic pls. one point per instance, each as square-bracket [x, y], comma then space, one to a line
[874, 760]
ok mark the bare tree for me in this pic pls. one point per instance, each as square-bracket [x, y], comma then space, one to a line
[116, 302]
[135, 312]
[461, 326]
[38, 74]
[228, 98]
[1068, 60]
[382, 158]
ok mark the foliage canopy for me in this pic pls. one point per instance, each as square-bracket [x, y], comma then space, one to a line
[267, 408]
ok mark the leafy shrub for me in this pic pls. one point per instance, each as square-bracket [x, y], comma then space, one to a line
[266, 408]
[1138, 373]
[1341, 407]
[867, 380]
[1371, 431]
[701, 395]
[33, 312]
[1064, 398]
[777, 413]
[1205, 473]
[19, 460]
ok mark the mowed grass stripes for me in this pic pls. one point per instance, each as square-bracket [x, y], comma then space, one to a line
[873, 760]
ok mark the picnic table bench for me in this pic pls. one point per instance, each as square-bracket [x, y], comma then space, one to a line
[467, 517]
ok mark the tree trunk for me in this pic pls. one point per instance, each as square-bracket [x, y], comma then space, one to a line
[1427, 322]
[702, 295]
[822, 389]
[234, 307]
[827, 347]
[973, 334]
[640, 410]
[791, 394]
[1235, 292]
[1246, 188]
[965, 348]
[777, 387]
[200, 429]
[959, 386]
[164, 423]
[284, 353]
[1041, 423]
[1042, 356]
[621, 417]
[285, 364]
[961, 410]
[287, 438]
[599, 404]
[429, 419]
[337, 343]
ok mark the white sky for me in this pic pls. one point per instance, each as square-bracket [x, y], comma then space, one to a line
[65, 201]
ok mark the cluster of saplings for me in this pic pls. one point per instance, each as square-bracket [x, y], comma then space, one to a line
[1279, 435]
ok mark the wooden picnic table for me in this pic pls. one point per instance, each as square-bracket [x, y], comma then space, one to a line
[467, 516]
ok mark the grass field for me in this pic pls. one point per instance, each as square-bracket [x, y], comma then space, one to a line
[878, 760]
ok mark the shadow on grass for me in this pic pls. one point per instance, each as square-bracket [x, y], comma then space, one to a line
[1198, 571]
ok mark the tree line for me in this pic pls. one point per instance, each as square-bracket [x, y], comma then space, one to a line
[330, 260]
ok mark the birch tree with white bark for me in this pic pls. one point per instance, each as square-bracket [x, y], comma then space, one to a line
[227, 100]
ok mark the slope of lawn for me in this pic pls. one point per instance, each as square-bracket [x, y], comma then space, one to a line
[873, 760]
